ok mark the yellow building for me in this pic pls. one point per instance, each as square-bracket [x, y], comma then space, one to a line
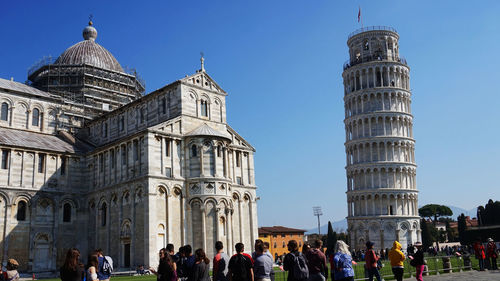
[278, 237]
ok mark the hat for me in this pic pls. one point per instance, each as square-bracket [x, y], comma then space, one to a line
[369, 244]
[490, 240]
[13, 262]
[418, 244]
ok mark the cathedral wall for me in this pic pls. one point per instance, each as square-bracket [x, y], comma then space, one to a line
[150, 110]
[37, 115]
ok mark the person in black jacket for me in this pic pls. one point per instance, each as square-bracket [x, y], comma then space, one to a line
[72, 270]
[166, 268]
[418, 260]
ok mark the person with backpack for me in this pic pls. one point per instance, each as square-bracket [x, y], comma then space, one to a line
[11, 274]
[316, 262]
[371, 260]
[105, 266]
[397, 258]
[418, 261]
[263, 263]
[342, 262]
[240, 266]
[295, 263]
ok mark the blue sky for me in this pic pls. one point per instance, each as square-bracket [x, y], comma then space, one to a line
[281, 63]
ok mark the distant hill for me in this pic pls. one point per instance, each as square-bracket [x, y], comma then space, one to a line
[338, 226]
[457, 211]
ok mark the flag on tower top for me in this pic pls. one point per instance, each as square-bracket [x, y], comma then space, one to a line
[359, 14]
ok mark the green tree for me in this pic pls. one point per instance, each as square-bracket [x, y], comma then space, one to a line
[451, 233]
[430, 233]
[331, 239]
[434, 211]
[462, 227]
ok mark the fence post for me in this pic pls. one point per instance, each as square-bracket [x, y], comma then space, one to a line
[446, 264]
[436, 265]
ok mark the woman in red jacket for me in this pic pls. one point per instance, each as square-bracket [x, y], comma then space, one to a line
[479, 252]
[371, 262]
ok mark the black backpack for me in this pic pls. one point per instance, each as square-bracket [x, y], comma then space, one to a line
[238, 268]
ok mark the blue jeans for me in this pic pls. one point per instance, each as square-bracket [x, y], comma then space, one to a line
[372, 272]
[481, 264]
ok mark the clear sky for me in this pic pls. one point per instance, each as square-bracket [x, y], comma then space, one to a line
[281, 63]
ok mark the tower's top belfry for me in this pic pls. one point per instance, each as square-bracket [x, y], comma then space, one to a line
[374, 43]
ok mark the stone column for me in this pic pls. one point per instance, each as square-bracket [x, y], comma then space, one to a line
[204, 226]
[172, 157]
[240, 219]
[202, 168]
[183, 218]
[168, 222]
[229, 243]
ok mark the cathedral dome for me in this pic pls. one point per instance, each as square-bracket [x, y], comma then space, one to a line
[89, 52]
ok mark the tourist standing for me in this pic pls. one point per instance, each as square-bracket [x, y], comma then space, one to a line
[342, 262]
[11, 274]
[200, 271]
[491, 250]
[371, 260]
[105, 266]
[166, 267]
[240, 266]
[221, 262]
[180, 263]
[397, 258]
[418, 261]
[479, 252]
[295, 263]
[189, 261]
[72, 270]
[171, 252]
[263, 263]
[266, 251]
[316, 262]
[92, 267]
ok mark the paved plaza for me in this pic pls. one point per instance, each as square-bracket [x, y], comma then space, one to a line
[469, 275]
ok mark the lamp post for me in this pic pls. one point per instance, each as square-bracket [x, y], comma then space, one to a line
[317, 212]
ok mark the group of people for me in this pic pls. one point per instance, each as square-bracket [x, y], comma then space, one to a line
[98, 267]
[184, 265]
[310, 264]
[486, 256]
[397, 258]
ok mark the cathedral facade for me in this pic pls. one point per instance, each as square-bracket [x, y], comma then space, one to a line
[89, 161]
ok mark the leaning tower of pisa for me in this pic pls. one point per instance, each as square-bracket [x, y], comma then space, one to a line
[382, 194]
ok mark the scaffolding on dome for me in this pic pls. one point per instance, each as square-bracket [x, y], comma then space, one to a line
[96, 90]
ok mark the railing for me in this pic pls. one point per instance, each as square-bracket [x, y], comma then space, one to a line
[364, 59]
[371, 28]
[435, 266]
[40, 63]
